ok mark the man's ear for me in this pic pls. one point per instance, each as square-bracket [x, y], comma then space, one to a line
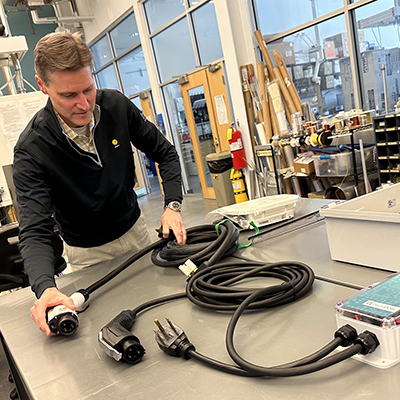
[41, 84]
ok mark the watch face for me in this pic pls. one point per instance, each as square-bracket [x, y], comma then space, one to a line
[175, 205]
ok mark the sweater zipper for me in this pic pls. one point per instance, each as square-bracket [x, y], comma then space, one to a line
[98, 162]
[95, 148]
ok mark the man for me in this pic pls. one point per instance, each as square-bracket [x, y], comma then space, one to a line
[73, 165]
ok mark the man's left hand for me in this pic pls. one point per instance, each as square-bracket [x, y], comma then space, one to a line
[173, 220]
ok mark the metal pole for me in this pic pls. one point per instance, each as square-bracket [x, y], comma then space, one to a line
[18, 73]
[383, 69]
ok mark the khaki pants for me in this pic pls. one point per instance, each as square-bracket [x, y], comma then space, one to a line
[131, 242]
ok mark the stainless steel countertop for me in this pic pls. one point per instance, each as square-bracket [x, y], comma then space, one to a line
[76, 368]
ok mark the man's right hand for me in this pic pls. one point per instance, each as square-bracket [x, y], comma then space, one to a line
[51, 297]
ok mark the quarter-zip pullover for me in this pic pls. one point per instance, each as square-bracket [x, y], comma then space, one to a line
[92, 203]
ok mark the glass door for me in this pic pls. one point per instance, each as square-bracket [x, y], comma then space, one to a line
[208, 119]
[152, 172]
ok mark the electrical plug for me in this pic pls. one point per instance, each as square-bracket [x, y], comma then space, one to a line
[172, 340]
[118, 342]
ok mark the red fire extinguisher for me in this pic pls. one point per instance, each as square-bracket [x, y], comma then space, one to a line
[236, 148]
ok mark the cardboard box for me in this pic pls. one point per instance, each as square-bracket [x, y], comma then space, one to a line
[328, 68]
[286, 49]
[298, 72]
[330, 81]
[304, 165]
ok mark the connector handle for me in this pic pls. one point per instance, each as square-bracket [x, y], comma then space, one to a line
[79, 300]
[125, 318]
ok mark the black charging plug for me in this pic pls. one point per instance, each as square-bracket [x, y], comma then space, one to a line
[172, 340]
[118, 342]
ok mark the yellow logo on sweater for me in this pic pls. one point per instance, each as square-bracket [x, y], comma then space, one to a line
[115, 143]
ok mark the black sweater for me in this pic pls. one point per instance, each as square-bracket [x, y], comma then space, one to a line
[92, 203]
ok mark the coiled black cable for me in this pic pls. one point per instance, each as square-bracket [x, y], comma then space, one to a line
[204, 244]
[215, 286]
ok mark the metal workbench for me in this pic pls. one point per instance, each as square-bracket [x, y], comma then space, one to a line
[75, 367]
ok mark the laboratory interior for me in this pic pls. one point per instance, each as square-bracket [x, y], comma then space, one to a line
[274, 281]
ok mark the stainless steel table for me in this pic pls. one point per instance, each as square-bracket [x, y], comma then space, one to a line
[76, 368]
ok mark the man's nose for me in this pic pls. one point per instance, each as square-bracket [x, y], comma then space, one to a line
[82, 102]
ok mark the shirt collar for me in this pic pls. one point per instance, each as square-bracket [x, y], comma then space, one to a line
[68, 131]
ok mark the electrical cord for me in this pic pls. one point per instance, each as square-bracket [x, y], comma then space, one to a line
[214, 285]
[205, 244]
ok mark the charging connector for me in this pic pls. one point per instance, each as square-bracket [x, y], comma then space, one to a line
[118, 342]
[64, 321]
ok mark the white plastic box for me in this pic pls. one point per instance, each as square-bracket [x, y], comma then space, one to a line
[341, 164]
[365, 230]
[263, 211]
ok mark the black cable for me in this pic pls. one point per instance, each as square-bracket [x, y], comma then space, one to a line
[96, 285]
[277, 371]
[214, 285]
[155, 302]
[203, 244]
[212, 288]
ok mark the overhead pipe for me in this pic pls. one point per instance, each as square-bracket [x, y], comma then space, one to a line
[58, 20]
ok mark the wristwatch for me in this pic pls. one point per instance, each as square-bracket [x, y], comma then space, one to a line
[174, 205]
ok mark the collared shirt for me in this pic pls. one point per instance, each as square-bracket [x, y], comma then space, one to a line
[84, 140]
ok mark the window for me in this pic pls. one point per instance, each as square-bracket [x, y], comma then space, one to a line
[107, 78]
[125, 35]
[134, 72]
[184, 35]
[174, 50]
[314, 65]
[160, 12]
[118, 57]
[379, 34]
[207, 34]
[101, 52]
[272, 20]
[333, 68]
